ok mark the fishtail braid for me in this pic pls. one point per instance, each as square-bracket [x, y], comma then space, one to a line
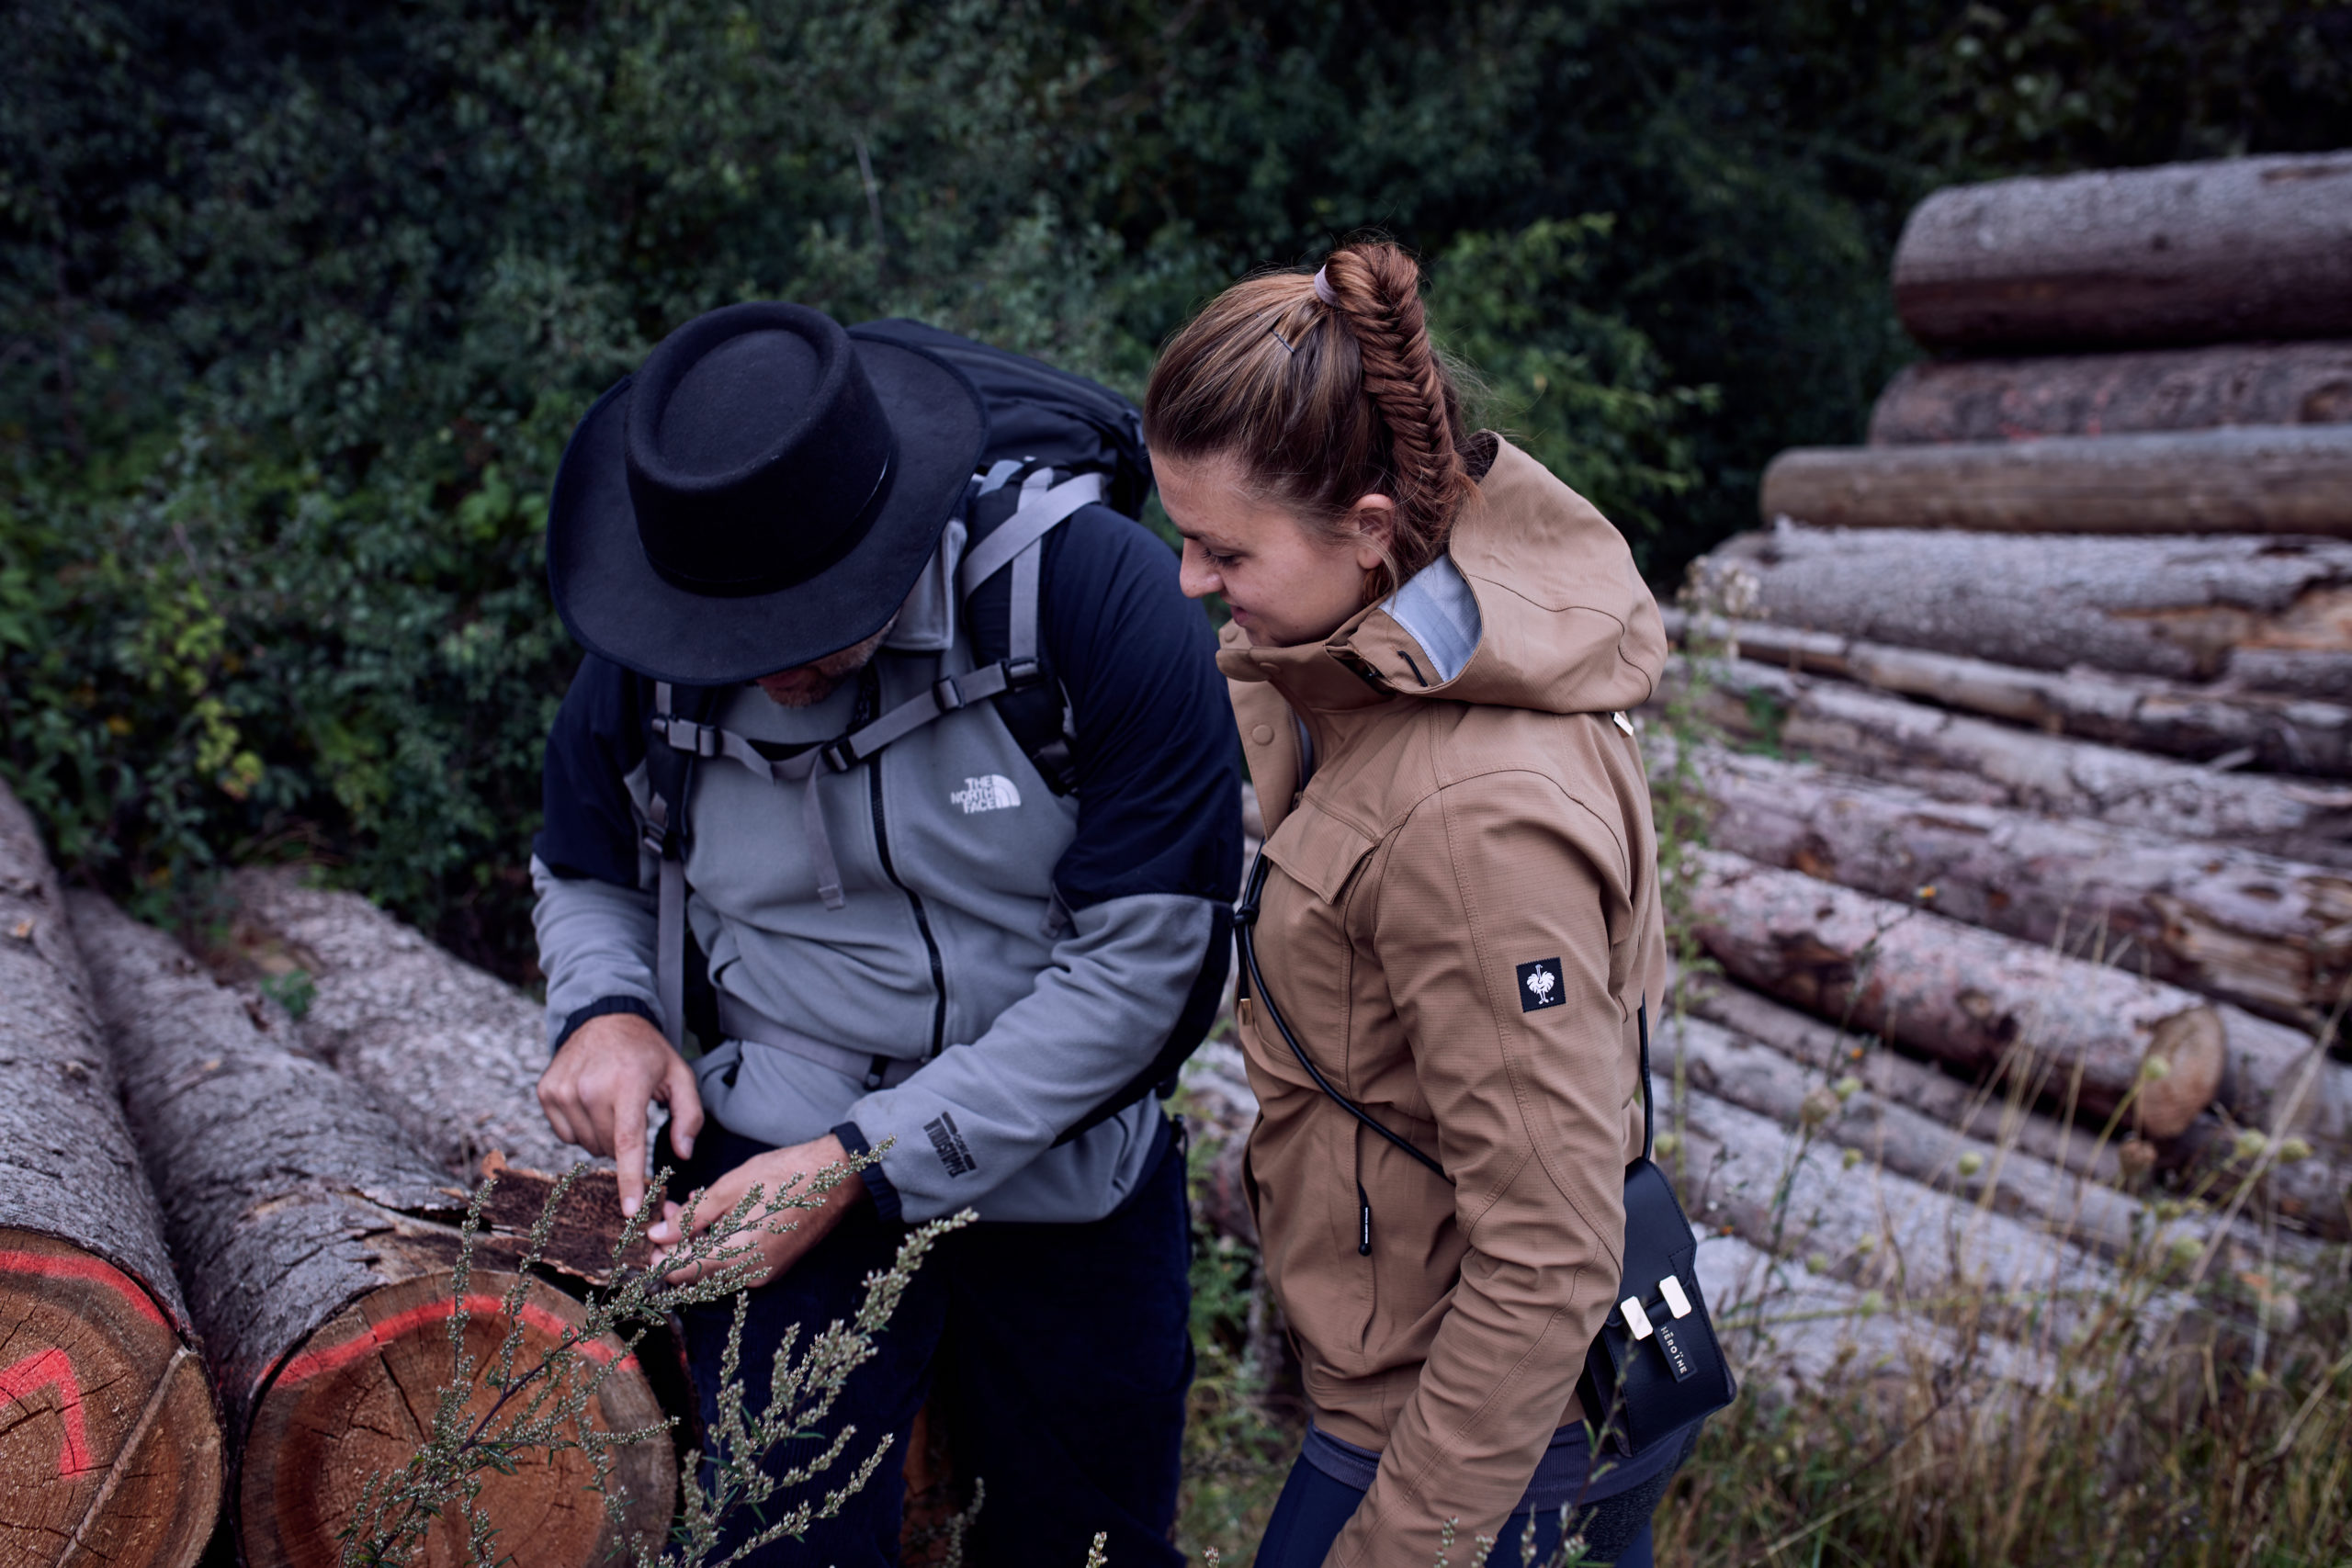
[1377, 287]
[1325, 393]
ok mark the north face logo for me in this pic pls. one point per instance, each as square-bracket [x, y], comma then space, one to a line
[1539, 982]
[992, 793]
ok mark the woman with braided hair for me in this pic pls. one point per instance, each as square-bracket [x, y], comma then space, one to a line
[1433, 647]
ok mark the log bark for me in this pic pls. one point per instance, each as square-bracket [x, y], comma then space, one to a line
[1875, 1229]
[319, 1243]
[2067, 1031]
[1987, 1113]
[1995, 1172]
[2265, 615]
[454, 1054]
[2271, 480]
[2311, 1192]
[110, 1446]
[1961, 759]
[2115, 394]
[2271, 935]
[2294, 735]
[2178, 253]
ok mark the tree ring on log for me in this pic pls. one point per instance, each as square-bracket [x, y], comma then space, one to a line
[358, 1397]
[110, 1447]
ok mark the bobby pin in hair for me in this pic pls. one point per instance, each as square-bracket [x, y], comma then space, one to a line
[1276, 335]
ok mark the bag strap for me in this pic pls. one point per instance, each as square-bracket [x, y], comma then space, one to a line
[1244, 922]
[1019, 542]
[1649, 1101]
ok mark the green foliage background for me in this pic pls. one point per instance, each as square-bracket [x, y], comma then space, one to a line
[298, 303]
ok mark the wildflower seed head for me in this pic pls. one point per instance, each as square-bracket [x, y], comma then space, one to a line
[1971, 1163]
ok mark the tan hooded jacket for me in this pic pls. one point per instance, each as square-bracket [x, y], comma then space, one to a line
[1455, 842]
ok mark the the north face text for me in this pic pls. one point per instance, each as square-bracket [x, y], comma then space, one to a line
[992, 793]
[1539, 985]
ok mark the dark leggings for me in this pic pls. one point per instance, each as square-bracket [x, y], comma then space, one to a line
[1314, 1508]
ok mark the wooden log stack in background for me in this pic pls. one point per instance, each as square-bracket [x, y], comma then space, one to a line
[2251, 613]
[2073, 1031]
[319, 1242]
[2116, 394]
[2064, 656]
[2229, 250]
[110, 1449]
[2294, 735]
[2285, 479]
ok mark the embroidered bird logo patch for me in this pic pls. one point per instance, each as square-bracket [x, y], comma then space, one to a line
[1539, 985]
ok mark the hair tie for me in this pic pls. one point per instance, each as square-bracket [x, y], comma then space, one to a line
[1323, 289]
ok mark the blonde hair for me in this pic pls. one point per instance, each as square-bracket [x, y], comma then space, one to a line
[1323, 404]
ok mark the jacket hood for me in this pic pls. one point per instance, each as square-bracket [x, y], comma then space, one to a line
[1555, 616]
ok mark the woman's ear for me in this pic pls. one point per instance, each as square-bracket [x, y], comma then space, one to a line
[1373, 521]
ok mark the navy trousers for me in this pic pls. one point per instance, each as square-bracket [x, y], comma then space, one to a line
[1314, 1507]
[1062, 1353]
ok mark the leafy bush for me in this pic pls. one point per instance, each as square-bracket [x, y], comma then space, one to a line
[298, 303]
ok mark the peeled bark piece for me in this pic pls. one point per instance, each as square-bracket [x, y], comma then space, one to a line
[1966, 996]
[2295, 735]
[2115, 394]
[110, 1447]
[452, 1052]
[2265, 614]
[2269, 934]
[318, 1243]
[1961, 759]
[2179, 253]
[2251, 480]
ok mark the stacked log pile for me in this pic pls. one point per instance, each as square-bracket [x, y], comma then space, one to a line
[319, 1246]
[275, 1330]
[2031, 783]
[110, 1447]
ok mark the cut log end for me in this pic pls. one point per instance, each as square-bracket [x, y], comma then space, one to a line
[359, 1398]
[110, 1450]
[2181, 1074]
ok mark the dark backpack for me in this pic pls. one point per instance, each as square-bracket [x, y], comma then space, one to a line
[1056, 441]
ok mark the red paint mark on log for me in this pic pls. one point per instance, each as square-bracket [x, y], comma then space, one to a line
[89, 1268]
[52, 1369]
[334, 1357]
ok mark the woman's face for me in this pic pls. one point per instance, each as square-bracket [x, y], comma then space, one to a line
[1286, 584]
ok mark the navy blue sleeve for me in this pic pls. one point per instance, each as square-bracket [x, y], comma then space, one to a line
[1158, 764]
[598, 740]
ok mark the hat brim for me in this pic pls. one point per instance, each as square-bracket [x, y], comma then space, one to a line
[616, 605]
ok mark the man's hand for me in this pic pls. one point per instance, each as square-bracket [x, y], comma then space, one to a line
[779, 1172]
[596, 1090]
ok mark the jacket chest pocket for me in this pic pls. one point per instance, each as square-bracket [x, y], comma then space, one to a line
[1304, 949]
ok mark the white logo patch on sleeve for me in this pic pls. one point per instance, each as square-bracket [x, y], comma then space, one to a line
[993, 792]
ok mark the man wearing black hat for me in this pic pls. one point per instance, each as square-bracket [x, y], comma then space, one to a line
[797, 761]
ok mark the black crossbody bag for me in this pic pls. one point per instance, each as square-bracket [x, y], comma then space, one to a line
[1656, 1366]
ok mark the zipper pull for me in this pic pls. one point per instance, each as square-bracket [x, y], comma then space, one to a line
[1363, 1232]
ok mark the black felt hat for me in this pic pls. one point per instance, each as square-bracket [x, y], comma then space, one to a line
[764, 492]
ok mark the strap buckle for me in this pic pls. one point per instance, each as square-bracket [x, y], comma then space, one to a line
[839, 756]
[946, 693]
[1025, 672]
[685, 735]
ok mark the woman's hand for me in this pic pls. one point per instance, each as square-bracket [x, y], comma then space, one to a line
[781, 1236]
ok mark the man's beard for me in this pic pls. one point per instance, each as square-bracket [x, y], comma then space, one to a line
[809, 685]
